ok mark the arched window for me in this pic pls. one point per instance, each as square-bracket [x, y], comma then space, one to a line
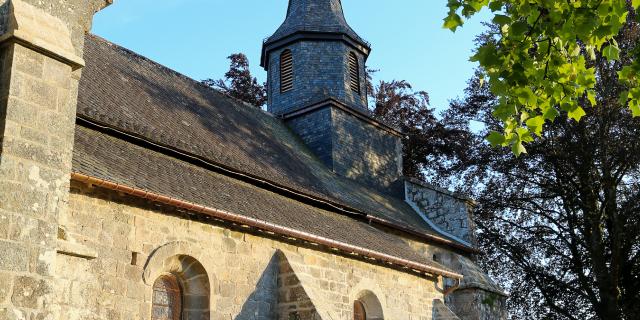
[358, 311]
[367, 307]
[354, 72]
[167, 299]
[180, 284]
[286, 71]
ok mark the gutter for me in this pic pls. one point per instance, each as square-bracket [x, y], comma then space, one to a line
[264, 225]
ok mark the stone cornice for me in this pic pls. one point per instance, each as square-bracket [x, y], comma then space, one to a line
[41, 32]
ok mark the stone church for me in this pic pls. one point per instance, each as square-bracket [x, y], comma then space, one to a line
[129, 191]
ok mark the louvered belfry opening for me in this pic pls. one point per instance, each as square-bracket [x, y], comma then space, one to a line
[286, 71]
[354, 72]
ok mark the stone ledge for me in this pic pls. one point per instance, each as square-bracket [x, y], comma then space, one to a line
[76, 250]
[38, 30]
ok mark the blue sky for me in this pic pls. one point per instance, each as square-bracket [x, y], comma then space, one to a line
[194, 37]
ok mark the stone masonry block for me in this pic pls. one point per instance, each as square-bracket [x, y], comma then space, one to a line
[30, 292]
[41, 260]
[57, 73]
[13, 257]
[4, 225]
[21, 111]
[6, 281]
[33, 231]
[33, 90]
[29, 61]
[29, 150]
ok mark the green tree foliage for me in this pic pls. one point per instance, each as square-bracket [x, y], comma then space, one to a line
[540, 62]
[239, 83]
[561, 226]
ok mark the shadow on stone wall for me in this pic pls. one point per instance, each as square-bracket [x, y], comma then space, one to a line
[442, 312]
[261, 304]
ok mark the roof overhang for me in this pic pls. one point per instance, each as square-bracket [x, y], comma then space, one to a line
[332, 102]
[267, 226]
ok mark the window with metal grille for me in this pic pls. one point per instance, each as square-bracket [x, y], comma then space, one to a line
[358, 311]
[286, 71]
[354, 72]
[167, 299]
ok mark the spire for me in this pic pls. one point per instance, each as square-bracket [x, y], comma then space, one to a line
[316, 17]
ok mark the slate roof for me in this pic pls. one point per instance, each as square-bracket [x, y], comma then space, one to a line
[324, 16]
[105, 157]
[128, 93]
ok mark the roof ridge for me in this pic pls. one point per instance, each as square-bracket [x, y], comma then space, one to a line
[174, 72]
[149, 60]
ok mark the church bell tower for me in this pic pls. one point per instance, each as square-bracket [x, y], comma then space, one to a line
[317, 83]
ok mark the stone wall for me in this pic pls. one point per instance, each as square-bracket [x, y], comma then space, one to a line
[446, 211]
[293, 301]
[4, 12]
[473, 304]
[126, 235]
[41, 45]
[478, 296]
[320, 71]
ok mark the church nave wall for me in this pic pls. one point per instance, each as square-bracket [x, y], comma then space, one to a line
[126, 243]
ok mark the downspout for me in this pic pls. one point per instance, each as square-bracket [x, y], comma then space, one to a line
[451, 289]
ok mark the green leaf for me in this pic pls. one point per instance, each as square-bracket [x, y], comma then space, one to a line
[526, 96]
[591, 95]
[551, 113]
[611, 52]
[519, 28]
[496, 139]
[452, 22]
[505, 111]
[486, 56]
[624, 97]
[518, 148]
[591, 50]
[574, 111]
[496, 6]
[501, 19]
[634, 105]
[577, 113]
[524, 135]
[635, 3]
[627, 73]
[536, 124]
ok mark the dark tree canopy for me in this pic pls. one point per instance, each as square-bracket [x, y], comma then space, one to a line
[426, 140]
[560, 225]
[239, 83]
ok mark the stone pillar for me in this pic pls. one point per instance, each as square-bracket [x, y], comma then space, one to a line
[40, 65]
